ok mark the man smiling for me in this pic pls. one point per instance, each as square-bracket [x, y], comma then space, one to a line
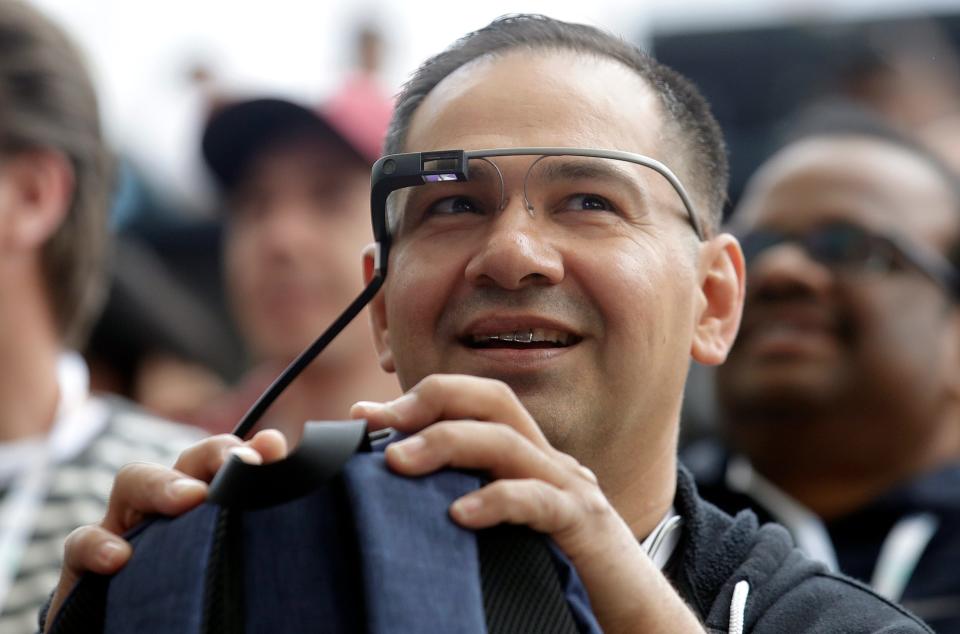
[541, 316]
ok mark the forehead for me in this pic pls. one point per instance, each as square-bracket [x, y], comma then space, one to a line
[540, 98]
[869, 182]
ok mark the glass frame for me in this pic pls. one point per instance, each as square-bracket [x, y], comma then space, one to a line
[411, 169]
[927, 262]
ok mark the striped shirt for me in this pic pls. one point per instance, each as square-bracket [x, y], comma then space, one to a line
[76, 493]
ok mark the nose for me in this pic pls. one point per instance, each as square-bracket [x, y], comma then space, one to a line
[787, 269]
[282, 231]
[517, 251]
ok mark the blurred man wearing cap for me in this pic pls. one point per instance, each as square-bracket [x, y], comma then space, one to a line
[59, 445]
[296, 186]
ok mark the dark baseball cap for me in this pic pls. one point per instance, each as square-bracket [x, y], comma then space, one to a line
[356, 117]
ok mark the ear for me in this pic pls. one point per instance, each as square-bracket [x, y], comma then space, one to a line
[39, 187]
[952, 358]
[377, 312]
[722, 284]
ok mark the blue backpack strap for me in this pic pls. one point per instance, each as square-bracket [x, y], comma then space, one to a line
[161, 589]
[420, 570]
[206, 572]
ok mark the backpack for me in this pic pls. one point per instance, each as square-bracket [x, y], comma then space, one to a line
[363, 550]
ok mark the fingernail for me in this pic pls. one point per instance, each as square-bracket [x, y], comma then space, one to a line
[110, 553]
[365, 406]
[366, 409]
[246, 454]
[183, 487]
[466, 507]
[409, 449]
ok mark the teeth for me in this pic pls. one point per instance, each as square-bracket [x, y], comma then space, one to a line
[530, 335]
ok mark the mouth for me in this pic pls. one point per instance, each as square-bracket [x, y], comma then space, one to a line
[799, 334]
[523, 339]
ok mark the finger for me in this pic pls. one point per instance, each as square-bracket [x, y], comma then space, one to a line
[87, 549]
[269, 444]
[145, 489]
[450, 397]
[573, 464]
[533, 503]
[94, 549]
[493, 447]
[203, 459]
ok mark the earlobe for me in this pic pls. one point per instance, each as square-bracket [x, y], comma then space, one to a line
[377, 313]
[722, 286]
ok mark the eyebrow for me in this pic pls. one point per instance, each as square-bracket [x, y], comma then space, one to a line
[597, 169]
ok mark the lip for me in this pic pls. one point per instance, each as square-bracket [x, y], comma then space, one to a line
[789, 330]
[500, 323]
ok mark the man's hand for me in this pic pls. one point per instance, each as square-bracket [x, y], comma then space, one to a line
[475, 423]
[143, 489]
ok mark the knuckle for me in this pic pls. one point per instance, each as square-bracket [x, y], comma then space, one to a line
[441, 434]
[136, 478]
[429, 385]
[543, 507]
[80, 543]
[566, 459]
[500, 390]
[593, 503]
[77, 538]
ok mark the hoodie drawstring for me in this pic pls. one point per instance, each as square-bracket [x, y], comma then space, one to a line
[738, 606]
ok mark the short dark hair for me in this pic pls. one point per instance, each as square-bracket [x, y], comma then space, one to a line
[47, 101]
[831, 119]
[684, 107]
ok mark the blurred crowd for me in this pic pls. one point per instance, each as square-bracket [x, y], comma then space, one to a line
[837, 413]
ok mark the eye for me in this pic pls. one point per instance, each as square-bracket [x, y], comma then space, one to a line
[587, 202]
[454, 205]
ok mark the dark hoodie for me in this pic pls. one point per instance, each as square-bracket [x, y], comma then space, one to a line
[787, 592]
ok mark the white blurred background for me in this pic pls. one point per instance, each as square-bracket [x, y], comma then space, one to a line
[146, 55]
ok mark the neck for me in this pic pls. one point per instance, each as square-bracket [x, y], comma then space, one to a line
[29, 348]
[640, 481]
[835, 465]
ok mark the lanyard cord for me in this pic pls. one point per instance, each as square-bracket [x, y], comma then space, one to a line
[901, 552]
[18, 517]
[78, 420]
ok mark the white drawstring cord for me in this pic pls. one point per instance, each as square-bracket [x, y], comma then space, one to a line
[738, 606]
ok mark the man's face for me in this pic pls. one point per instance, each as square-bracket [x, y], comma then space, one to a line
[296, 225]
[613, 291]
[828, 337]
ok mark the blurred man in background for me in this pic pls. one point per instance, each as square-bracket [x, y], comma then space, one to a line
[59, 446]
[841, 396]
[296, 187]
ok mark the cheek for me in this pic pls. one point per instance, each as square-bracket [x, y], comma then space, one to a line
[240, 266]
[642, 291]
[900, 332]
[420, 282]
